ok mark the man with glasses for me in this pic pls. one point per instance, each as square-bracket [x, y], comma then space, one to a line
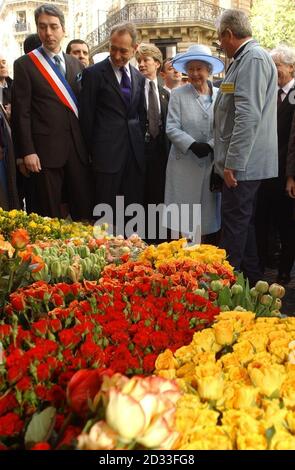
[112, 118]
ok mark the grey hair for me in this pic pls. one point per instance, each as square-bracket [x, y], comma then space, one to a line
[51, 10]
[284, 54]
[235, 20]
[122, 28]
[209, 66]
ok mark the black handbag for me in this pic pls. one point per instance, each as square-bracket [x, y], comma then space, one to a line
[216, 182]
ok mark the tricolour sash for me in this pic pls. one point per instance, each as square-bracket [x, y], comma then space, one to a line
[55, 79]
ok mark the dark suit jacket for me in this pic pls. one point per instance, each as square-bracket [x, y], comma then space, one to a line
[7, 92]
[285, 116]
[111, 131]
[41, 124]
[157, 151]
[290, 166]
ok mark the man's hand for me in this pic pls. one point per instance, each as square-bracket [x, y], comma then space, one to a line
[32, 163]
[290, 187]
[229, 178]
[22, 168]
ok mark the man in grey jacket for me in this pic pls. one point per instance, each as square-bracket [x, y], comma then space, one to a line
[245, 133]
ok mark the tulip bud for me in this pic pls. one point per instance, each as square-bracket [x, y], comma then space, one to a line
[224, 308]
[201, 292]
[277, 291]
[239, 308]
[95, 273]
[71, 251]
[254, 293]
[56, 269]
[71, 273]
[277, 305]
[266, 300]
[64, 268]
[84, 251]
[216, 286]
[262, 287]
[237, 289]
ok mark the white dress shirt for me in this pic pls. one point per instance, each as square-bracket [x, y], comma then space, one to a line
[61, 56]
[118, 72]
[287, 88]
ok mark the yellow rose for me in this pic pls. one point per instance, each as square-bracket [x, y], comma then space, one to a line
[224, 333]
[244, 351]
[211, 388]
[166, 360]
[288, 392]
[282, 440]
[290, 418]
[251, 442]
[209, 438]
[267, 378]
[245, 397]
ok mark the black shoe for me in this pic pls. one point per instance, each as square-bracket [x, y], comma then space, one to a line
[283, 279]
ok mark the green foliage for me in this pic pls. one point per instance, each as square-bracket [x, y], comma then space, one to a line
[273, 22]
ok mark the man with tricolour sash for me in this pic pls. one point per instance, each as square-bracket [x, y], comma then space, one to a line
[45, 122]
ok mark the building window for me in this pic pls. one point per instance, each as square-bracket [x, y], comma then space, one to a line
[21, 17]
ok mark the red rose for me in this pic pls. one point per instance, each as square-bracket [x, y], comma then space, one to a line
[57, 300]
[83, 387]
[41, 446]
[20, 238]
[55, 325]
[7, 403]
[24, 384]
[10, 424]
[40, 327]
[18, 302]
[149, 362]
[71, 433]
[43, 372]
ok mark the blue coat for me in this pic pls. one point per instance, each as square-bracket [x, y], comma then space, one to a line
[187, 176]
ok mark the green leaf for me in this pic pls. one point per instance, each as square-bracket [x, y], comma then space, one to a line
[224, 297]
[40, 427]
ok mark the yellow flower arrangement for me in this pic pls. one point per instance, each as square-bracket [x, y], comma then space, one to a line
[239, 366]
[178, 249]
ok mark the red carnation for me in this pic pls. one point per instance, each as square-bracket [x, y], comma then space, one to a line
[40, 327]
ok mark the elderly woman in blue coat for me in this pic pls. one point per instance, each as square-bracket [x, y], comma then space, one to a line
[190, 130]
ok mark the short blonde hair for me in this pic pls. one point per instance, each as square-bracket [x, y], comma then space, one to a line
[149, 50]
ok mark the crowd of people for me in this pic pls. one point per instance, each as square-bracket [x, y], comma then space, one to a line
[74, 135]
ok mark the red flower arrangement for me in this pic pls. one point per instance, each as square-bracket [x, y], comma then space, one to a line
[122, 323]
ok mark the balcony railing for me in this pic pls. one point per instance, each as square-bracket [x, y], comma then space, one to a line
[22, 27]
[161, 12]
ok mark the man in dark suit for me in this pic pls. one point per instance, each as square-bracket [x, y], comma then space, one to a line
[274, 207]
[112, 120]
[46, 130]
[150, 61]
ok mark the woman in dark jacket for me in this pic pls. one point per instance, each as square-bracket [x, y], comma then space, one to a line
[8, 191]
